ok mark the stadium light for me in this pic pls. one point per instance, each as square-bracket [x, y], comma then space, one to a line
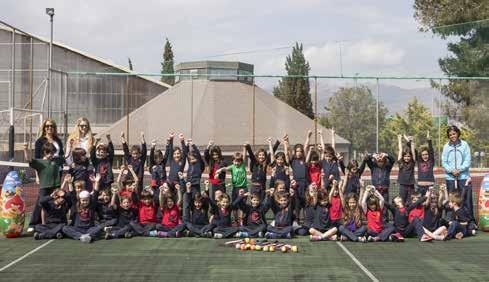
[50, 13]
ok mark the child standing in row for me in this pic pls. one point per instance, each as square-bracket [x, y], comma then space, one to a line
[239, 178]
[102, 157]
[426, 162]
[47, 169]
[213, 158]
[136, 158]
[406, 160]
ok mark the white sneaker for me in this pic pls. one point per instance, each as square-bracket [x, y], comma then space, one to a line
[85, 238]
[30, 230]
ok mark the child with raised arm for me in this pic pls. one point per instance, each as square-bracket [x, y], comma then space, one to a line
[299, 169]
[255, 223]
[406, 160]
[56, 207]
[353, 173]
[195, 214]
[282, 206]
[171, 221]
[127, 184]
[221, 211]
[147, 209]
[259, 162]
[157, 167]
[404, 224]
[106, 211]
[380, 165]
[136, 158]
[176, 159]
[213, 158]
[373, 208]
[280, 165]
[336, 201]
[433, 210]
[238, 176]
[329, 161]
[47, 169]
[84, 227]
[352, 228]
[321, 227]
[127, 213]
[426, 163]
[102, 157]
[196, 167]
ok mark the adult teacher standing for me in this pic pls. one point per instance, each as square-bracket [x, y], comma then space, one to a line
[80, 137]
[456, 160]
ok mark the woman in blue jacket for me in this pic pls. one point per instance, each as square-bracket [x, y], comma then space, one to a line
[456, 162]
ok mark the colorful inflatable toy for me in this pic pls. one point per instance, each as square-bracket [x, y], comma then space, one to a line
[12, 206]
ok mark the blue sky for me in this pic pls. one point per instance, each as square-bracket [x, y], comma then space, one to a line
[377, 37]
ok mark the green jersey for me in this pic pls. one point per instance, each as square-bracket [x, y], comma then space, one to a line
[238, 175]
[48, 172]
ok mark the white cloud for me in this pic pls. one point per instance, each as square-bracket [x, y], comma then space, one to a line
[371, 52]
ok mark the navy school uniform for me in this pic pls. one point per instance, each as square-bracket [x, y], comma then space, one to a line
[55, 217]
[401, 219]
[280, 174]
[104, 166]
[158, 171]
[432, 219]
[107, 214]
[222, 219]
[283, 218]
[425, 169]
[175, 167]
[459, 222]
[317, 217]
[299, 172]
[83, 220]
[381, 177]
[196, 220]
[259, 171]
[254, 217]
[137, 164]
[353, 180]
[330, 168]
[124, 219]
[217, 181]
[82, 172]
[405, 179]
[195, 170]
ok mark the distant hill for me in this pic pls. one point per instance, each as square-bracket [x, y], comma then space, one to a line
[394, 98]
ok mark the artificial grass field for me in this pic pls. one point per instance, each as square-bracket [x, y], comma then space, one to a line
[184, 259]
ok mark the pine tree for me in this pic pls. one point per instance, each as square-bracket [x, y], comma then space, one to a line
[295, 90]
[167, 64]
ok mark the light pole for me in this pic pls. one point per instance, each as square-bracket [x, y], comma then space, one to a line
[50, 13]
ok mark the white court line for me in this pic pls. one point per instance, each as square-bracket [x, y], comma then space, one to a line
[357, 262]
[26, 255]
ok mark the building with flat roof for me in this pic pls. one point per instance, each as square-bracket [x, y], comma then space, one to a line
[228, 111]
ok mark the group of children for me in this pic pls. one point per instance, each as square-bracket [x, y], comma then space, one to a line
[311, 192]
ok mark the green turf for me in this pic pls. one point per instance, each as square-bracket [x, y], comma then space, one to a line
[153, 259]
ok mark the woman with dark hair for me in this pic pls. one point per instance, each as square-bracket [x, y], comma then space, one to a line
[48, 138]
[456, 162]
[48, 133]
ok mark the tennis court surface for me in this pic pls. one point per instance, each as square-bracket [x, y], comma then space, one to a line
[184, 259]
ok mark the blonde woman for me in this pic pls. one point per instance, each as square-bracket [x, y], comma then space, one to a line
[80, 137]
